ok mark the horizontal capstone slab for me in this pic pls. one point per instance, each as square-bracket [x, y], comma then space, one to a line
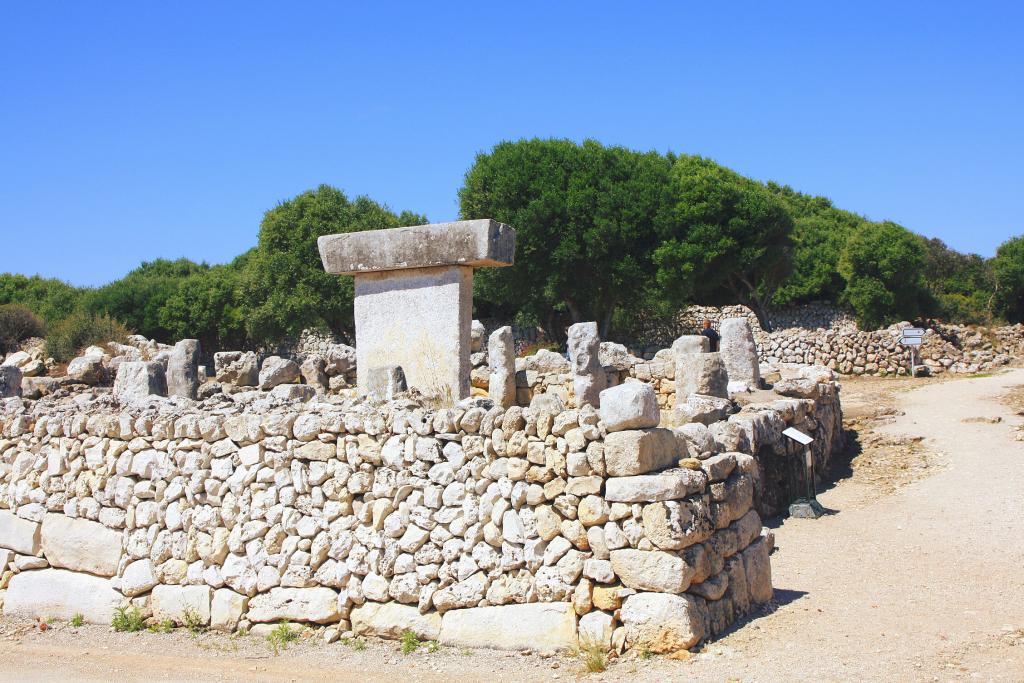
[477, 243]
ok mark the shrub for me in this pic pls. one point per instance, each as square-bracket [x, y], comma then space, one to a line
[17, 323]
[67, 337]
[128, 620]
[410, 643]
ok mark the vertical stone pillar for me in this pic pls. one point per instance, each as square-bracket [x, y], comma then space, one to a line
[414, 297]
[501, 361]
[739, 354]
[588, 376]
[183, 369]
[700, 373]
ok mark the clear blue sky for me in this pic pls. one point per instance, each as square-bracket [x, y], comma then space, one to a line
[131, 131]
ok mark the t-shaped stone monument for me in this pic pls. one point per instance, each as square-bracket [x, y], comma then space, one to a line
[414, 296]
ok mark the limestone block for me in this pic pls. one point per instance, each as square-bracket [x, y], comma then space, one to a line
[80, 545]
[596, 629]
[385, 382]
[758, 568]
[236, 367]
[277, 371]
[183, 369]
[797, 388]
[702, 409]
[10, 381]
[639, 451]
[588, 377]
[477, 336]
[651, 570]
[318, 605]
[340, 360]
[19, 535]
[649, 488]
[181, 603]
[536, 626]
[138, 380]
[719, 467]
[313, 372]
[633, 405]
[138, 578]
[391, 620]
[662, 623]
[501, 361]
[61, 594]
[615, 356]
[87, 369]
[293, 392]
[739, 353]
[675, 525]
[701, 373]
[690, 343]
[226, 609]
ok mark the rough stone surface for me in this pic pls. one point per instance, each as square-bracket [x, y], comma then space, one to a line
[183, 369]
[691, 343]
[10, 381]
[649, 488]
[632, 405]
[87, 369]
[639, 451]
[318, 605]
[61, 594]
[80, 545]
[391, 620]
[237, 367]
[739, 353]
[138, 578]
[651, 570]
[662, 623]
[701, 373]
[385, 382]
[181, 604]
[501, 361]
[588, 376]
[277, 371]
[19, 535]
[227, 609]
[537, 626]
[138, 380]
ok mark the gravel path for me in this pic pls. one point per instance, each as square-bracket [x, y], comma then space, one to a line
[924, 583]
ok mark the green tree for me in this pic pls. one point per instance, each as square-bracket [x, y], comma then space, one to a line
[207, 306]
[729, 240]
[1008, 266]
[961, 284]
[48, 298]
[284, 288]
[587, 219]
[882, 264]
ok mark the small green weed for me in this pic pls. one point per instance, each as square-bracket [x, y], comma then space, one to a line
[410, 643]
[645, 653]
[357, 644]
[594, 656]
[128, 620]
[192, 621]
[165, 626]
[77, 619]
[281, 636]
[432, 646]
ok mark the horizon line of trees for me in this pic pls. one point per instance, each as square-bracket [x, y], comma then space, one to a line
[604, 233]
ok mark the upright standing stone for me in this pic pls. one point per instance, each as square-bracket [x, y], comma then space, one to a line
[414, 296]
[691, 343]
[700, 373]
[138, 380]
[183, 369]
[10, 381]
[501, 360]
[739, 354]
[588, 378]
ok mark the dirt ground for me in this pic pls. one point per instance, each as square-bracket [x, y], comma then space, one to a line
[916, 574]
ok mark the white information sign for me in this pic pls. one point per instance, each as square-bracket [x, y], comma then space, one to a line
[797, 435]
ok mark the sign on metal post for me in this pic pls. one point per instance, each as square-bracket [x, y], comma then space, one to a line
[912, 338]
[807, 505]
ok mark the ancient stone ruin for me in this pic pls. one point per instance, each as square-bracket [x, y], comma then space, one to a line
[537, 502]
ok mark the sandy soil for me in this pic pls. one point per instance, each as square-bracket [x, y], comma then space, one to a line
[917, 574]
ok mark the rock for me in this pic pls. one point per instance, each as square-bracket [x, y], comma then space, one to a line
[138, 578]
[797, 388]
[719, 467]
[669, 485]
[183, 369]
[385, 382]
[138, 380]
[662, 623]
[632, 405]
[477, 335]
[87, 369]
[313, 373]
[60, 594]
[227, 609]
[37, 387]
[236, 367]
[690, 343]
[675, 525]
[702, 409]
[651, 570]
[596, 630]
[10, 381]
[276, 371]
[536, 626]
[391, 620]
[181, 604]
[318, 605]
[547, 362]
[292, 392]
[584, 355]
[701, 373]
[758, 569]
[615, 356]
[339, 360]
[739, 353]
[639, 451]
[19, 535]
[80, 545]
[501, 362]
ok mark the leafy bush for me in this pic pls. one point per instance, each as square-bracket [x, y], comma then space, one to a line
[17, 323]
[410, 642]
[1009, 275]
[80, 329]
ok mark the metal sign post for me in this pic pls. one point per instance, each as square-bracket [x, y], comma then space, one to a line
[912, 337]
[805, 506]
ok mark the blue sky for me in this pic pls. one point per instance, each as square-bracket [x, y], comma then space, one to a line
[141, 130]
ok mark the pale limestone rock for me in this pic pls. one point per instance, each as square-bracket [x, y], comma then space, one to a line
[340, 360]
[138, 380]
[318, 605]
[61, 594]
[649, 488]
[701, 373]
[138, 578]
[615, 356]
[87, 369]
[639, 451]
[236, 367]
[19, 535]
[313, 373]
[596, 629]
[662, 623]
[181, 604]
[80, 545]
[391, 620]
[227, 609]
[675, 525]
[276, 371]
[477, 336]
[633, 405]
[651, 570]
[501, 362]
[183, 369]
[739, 354]
[758, 569]
[690, 343]
[537, 626]
[589, 378]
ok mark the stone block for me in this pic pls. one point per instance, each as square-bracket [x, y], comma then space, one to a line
[501, 361]
[739, 353]
[80, 545]
[138, 578]
[391, 620]
[226, 609]
[535, 626]
[276, 371]
[633, 405]
[183, 369]
[698, 408]
[138, 380]
[651, 570]
[596, 629]
[236, 367]
[691, 343]
[87, 369]
[639, 451]
[61, 594]
[649, 488]
[385, 382]
[662, 623]
[758, 569]
[318, 605]
[181, 603]
[701, 373]
[589, 378]
[10, 381]
[19, 535]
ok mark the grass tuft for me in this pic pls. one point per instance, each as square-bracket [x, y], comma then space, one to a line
[281, 636]
[128, 620]
[78, 619]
